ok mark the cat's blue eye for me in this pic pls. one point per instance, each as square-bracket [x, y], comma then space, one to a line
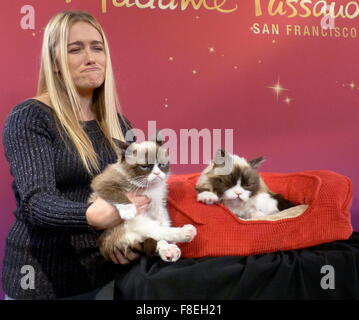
[144, 167]
[162, 165]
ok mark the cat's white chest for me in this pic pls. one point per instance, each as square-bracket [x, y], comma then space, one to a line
[157, 208]
[260, 205]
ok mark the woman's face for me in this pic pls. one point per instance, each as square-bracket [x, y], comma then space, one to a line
[86, 57]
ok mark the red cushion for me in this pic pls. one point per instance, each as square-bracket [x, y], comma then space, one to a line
[220, 232]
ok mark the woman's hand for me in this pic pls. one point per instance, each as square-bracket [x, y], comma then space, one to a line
[102, 215]
[141, 202]
[119, 256]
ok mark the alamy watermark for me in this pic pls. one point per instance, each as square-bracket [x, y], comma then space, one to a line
[28, 280]
[327, 281]
[185, 147]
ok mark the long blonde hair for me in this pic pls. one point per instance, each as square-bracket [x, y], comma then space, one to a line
[63, 94]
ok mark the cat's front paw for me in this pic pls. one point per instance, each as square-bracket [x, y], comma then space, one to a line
[207, 197]
[189, 232]
[126, 211]
[169, 252]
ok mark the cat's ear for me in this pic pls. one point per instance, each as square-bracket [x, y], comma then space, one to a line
[120, 148]
[158, 138]
[255, 163]
[220, 157]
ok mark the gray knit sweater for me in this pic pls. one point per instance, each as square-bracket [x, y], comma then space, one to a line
[51, 187]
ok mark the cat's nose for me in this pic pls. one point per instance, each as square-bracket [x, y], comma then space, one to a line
[157, 173]
[238, 192]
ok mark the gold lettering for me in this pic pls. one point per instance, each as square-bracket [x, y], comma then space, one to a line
[345, 32]
[122, 3]
[307, 10]
[170, 5]
[323, 10]
[294, 10]
[356, 10]
[149, 4]
[340, 12]
[196, 6]
[104, 6]
[257, 4]
[278, 10]
[297, 30]
[219, 7]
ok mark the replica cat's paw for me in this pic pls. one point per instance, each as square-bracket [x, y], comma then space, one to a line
[207, 197]
[189, 232]
[169, 252]
[126, 211]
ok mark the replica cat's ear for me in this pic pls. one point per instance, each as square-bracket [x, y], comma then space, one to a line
[158, 138]
[220, 156]
[255, 163]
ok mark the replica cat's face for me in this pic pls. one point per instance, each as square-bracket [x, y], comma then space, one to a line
[241, 183]
[145, 163]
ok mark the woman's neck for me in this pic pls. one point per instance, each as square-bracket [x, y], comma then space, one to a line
[86, 112]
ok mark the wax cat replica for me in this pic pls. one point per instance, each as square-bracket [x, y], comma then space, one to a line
[240, 188]
[142, 168]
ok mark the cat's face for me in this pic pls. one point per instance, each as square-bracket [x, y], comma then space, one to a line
[145, 163]
[241, 183]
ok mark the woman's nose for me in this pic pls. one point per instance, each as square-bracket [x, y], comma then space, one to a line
[90, 58]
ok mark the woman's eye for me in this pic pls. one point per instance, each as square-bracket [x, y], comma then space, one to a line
[98, 49]
[74, 50]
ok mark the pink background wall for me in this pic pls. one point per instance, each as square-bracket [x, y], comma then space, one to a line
[208, 69]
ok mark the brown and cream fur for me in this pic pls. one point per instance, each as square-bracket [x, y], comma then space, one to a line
[240, 188]
[142, 168]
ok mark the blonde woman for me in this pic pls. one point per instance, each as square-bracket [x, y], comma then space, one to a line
[55, 143]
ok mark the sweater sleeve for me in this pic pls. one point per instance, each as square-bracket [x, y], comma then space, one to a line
[28, 146]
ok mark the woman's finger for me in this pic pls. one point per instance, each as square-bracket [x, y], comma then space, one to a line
[131, 255]
[113, 258]
[121, 257]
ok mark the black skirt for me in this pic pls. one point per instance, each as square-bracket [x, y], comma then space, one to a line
[326, 271]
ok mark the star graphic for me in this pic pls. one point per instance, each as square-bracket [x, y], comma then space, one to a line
[211, 50]
[288, 100]
[277, 88]
[194, 71]
[352, 85]
[170, 58]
